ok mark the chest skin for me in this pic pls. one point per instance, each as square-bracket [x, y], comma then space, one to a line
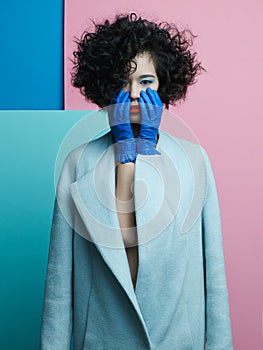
[124, 190]
[126, 215]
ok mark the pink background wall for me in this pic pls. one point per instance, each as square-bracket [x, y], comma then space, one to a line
[225, 113]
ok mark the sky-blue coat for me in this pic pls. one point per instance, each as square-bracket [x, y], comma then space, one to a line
[180, 301]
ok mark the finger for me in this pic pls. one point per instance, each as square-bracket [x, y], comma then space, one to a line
[117, 113]
[150, 93]
[120, 96]
[143, 108]
[121, 107]
[126, 107]
[157, 103]
[123, 96]
[149, 105]
[155, 96]
[146, 97]
[126, 96]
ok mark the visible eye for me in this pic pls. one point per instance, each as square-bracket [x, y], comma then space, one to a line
[146, 81]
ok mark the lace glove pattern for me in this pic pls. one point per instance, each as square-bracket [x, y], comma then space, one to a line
[151, 111]
[119, 120]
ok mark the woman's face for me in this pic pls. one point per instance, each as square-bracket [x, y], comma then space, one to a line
[145, 76]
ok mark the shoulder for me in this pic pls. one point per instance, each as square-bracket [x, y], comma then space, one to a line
[193, 158]
[82, 155]
[183, 149]
[96, 144]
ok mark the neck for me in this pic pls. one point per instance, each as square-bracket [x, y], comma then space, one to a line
[135, 129]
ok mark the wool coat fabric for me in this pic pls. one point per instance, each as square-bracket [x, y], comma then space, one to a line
[180, 301]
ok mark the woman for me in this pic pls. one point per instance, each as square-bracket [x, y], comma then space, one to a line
[123, 272]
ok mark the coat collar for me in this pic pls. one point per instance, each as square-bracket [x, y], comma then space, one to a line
[94, 197]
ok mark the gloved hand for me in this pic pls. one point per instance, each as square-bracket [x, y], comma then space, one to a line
[151, 111]
[119, 120]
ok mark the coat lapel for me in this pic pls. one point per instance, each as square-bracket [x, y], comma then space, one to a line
[94, 198]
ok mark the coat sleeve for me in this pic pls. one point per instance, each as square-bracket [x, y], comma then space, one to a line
[217, 313]
[57, 313]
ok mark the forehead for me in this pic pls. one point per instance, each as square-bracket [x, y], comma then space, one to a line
[144, 63]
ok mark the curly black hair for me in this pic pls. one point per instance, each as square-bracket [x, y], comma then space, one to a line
[102, 61]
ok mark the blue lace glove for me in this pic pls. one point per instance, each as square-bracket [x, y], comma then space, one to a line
[119, 120]
[151, 111]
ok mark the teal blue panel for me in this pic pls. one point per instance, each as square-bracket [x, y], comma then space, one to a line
[30, 141]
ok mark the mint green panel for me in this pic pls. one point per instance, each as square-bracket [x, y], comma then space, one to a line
[30, 141]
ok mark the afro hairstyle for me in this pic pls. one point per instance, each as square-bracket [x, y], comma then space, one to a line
[103, 58]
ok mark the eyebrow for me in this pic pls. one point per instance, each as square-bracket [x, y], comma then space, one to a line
[146, 76]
